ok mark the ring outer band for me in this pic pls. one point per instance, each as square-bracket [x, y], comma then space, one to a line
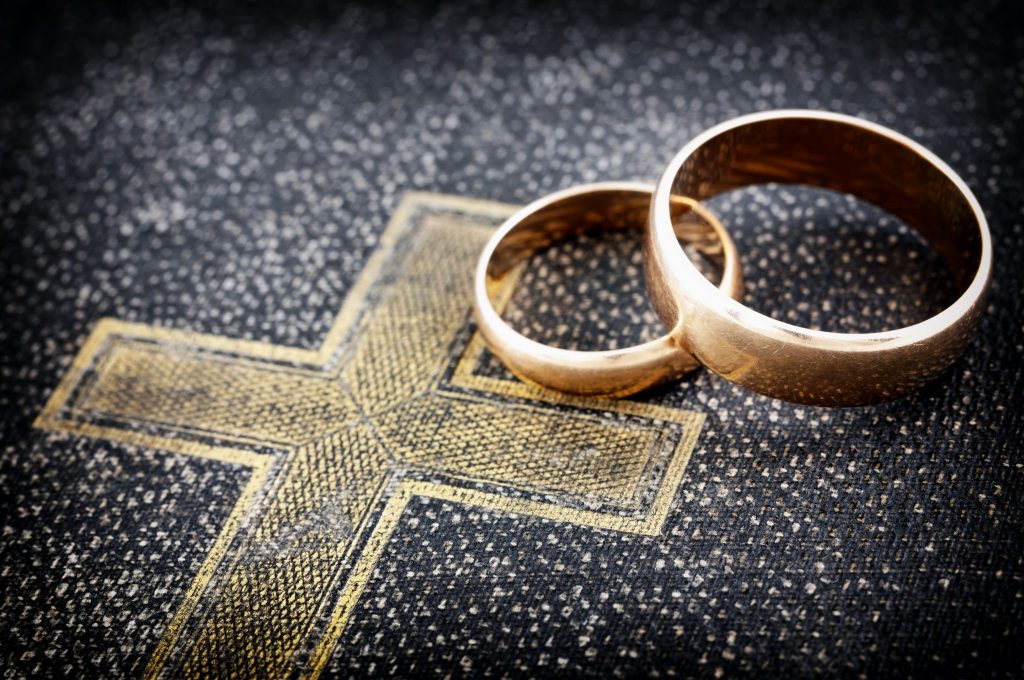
[609, 373]
[786, 361]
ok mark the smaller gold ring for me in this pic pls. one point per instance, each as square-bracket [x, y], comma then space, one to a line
[611, 373]
[844, 154]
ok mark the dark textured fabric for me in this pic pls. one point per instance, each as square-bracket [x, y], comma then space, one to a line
[231, 170]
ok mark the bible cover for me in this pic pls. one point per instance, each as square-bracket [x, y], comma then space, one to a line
[249, 427]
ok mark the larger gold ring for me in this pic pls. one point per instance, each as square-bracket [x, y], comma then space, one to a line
[844, 154]
[612, 373]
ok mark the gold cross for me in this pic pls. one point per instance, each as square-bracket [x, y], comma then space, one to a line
[339, 440]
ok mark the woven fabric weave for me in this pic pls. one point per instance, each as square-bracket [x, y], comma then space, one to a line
[269, 484]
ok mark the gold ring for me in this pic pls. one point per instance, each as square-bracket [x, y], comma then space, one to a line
[551, 219]
[844, 154]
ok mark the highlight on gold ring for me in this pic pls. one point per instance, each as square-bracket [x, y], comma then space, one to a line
[845, 154]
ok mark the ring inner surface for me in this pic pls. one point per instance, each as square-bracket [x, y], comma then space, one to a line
[574, 291]
[604, 210]
[846, 158]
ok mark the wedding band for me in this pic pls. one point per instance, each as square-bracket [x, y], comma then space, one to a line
[844, 154]
[612, 373]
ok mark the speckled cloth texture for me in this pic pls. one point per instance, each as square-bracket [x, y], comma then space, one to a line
[230, 170]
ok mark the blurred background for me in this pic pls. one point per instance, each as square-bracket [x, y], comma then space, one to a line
[290, 133]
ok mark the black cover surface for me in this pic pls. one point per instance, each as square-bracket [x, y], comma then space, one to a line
[231, 171]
